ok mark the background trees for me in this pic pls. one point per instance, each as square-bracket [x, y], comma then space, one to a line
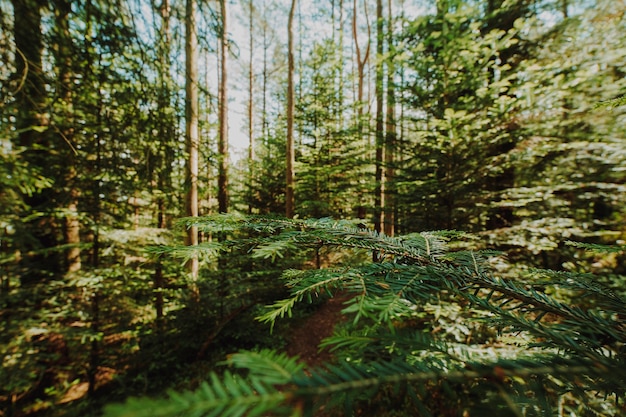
[478, 116]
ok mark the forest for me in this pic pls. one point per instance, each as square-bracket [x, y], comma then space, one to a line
[312, 208]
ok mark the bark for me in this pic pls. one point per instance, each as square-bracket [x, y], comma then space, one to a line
[222, 144]
[65, 130]
[290, 176]
[251, 87]
[191, 131]
[251, 144]
[361, 61]
[379, 191]
[165, 129]
[390, 134]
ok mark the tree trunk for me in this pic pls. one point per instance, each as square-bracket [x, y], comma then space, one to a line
[164, 163]
[222, 143]
[361, 62]
[390, 134]
[379, 191]
[290, 177]
[63, 60]
[31, 123]
[191, 132]
[251, 149]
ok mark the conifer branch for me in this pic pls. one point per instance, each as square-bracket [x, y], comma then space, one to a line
[579, 350]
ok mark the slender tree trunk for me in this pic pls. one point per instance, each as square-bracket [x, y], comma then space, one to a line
[340, 79]
[361, 61]
[390, 134]
[63, 59]
[290, 177]
[379, 192]
[222, 144]
[251, 149]
[264, 126]
[164, 165]
[191, 131]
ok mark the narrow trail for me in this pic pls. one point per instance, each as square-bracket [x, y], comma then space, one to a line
[305, 339]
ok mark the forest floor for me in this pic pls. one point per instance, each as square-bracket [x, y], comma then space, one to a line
[305, 338]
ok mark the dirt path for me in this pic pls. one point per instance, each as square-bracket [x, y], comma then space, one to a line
[305, 339]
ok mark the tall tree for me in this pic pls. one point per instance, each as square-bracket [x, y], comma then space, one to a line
[31, 123]
[164, 160]
[361, 61]
[390, 130]
[251, 153]
[362, 58]
[64, 124]
[379, 186]
[222, 142]
[290, 154]
[191, 128]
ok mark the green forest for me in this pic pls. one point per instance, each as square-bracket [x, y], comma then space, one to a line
[312, 208]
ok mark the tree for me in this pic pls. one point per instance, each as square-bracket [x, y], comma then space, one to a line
[65, 126]
[390, 130]
[31, 124]
[222, 143]
[328, 151]
[191, 123]
[574, 155]
[251, 140]
[163, 160]
[290, 155]
[463, 118]
[379, 185]
[362, 59]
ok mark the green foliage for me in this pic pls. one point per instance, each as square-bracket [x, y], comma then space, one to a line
[460, 79]
[330, 155]
[432, 325]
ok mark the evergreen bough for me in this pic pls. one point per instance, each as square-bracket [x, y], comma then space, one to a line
[539, 355]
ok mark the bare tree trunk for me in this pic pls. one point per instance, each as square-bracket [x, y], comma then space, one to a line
[222, 143]
[251, 146]
[361, 61]
[390, 134]
[264, 122]
[63, 58]
[379, 191]
[251, 149]
[165, 128]
[191, 131]
[290, 177]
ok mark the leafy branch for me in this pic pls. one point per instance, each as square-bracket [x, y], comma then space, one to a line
[572, 346]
